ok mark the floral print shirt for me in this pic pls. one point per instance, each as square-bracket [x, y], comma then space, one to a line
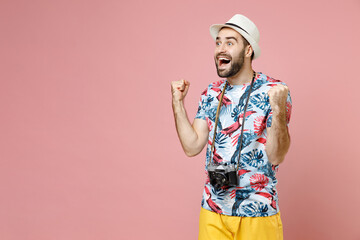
[255, 195]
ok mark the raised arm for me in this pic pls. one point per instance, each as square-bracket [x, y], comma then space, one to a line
[193, 137]
[278, 138]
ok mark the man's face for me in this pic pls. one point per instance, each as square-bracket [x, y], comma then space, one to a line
[229, 52]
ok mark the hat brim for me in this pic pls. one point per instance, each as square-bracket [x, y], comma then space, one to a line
[214, 31]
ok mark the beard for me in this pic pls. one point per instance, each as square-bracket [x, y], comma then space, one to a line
[235, 66]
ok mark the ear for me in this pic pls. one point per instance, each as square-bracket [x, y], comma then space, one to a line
[249, 51]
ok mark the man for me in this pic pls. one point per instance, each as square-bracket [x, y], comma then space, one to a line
[245, 121]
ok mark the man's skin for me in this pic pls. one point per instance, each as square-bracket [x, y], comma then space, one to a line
[193, 137]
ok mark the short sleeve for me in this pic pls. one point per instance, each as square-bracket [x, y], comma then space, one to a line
[201, 112]
[288, 111]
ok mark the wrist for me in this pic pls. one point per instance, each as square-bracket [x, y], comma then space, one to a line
[177, 102]
[279, 117]
[177, 105]
[278, 110]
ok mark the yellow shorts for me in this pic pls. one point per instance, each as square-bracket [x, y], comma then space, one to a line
[222, 227]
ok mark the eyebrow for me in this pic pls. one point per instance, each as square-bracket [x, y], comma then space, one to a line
[217, 38]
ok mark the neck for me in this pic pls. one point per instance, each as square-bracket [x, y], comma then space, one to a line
[244, 76]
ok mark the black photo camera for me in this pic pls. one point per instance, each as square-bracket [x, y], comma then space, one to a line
[222, 175]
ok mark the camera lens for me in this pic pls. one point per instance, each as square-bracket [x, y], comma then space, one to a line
[220, 178]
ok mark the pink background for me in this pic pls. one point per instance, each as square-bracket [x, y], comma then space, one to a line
[88, 148]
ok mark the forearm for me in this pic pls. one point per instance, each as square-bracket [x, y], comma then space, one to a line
[278, 139]
[188, 136]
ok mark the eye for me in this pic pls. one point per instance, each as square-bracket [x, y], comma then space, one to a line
[229, 44]
[217, 43]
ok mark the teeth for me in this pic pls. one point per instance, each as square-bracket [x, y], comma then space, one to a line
[222, 58]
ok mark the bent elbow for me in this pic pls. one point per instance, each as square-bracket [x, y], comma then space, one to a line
[191, 153]
[276, 160]
[193, 149]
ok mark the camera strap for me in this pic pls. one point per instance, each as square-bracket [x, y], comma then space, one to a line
[242, 125]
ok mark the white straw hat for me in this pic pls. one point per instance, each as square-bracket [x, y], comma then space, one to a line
[245, 27]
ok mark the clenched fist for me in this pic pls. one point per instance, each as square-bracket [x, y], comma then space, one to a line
[179, 89]
[277, 97]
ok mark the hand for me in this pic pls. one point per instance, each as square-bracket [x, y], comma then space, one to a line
[277, 97]
[179, 89]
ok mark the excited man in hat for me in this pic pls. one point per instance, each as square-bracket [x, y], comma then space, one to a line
[244, 118]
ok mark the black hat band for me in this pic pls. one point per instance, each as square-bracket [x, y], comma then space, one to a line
[231, 24]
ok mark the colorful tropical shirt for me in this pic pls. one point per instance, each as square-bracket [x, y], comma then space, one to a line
[255, 195]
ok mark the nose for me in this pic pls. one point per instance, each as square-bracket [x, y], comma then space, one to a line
[221, 48]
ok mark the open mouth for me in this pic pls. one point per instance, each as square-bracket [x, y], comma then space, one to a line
[223, 61]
